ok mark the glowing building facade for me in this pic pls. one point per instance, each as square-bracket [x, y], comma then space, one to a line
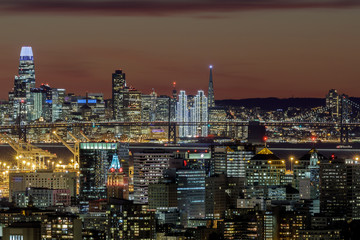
[117, 181]
[199, 116]
[192, 114]
[23, 83]
[182, 114]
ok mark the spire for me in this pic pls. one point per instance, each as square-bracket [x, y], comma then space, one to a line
[211, 98]
[26, 54]
[115, 164]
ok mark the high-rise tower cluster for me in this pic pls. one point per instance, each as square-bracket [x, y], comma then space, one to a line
[193, 111]
[192, 115]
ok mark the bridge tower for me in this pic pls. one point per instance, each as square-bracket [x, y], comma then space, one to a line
[344, 117]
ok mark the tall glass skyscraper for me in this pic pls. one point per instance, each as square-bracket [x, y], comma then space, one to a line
[118, 86]
[23, 83]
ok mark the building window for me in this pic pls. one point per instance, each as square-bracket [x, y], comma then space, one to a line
[16, 237]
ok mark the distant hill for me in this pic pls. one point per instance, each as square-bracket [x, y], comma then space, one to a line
[273, 103]
[277, 103]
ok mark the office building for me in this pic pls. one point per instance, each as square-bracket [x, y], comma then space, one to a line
[19, 182]
[162, 195]
[217, 114]
[127, 220]
[333, 102]
[42, 197]
[62, 226]
[340, 189]
[22, 231]
[162, 109]
[148, 107]
[306, 174]
[191, 194]
[118, 85]
[58, 95]
[231, 160]
[243, 224]
[216, 197]
[265, 169]
[148, 168]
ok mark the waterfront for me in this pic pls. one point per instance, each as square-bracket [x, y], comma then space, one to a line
[283, 150]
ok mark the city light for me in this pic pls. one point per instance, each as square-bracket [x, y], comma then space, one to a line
[146, 163]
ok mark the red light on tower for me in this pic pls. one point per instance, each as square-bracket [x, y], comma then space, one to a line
[174, 84]
[265, 138]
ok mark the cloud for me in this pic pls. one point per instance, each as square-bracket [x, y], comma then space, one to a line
[162, 7]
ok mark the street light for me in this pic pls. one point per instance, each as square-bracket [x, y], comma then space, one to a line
[291, 160]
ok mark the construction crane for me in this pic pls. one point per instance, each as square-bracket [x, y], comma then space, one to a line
[75, 150]
[77, 139]
[84, 136]
[28, 156]
[73, 136]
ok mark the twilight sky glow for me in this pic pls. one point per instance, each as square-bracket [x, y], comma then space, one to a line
[259, 48]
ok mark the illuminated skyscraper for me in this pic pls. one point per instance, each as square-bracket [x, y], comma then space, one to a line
[182, 114]
[211, 98]
[23, 82]
[148, 106]
[162, 108]
[58, 95]
[117, 181]
[340, 188]
[199, 116]
[26, 78]
[118, 86]
[191, 194]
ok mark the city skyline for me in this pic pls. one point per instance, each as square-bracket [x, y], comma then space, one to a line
[274, 49]
[109, 128]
